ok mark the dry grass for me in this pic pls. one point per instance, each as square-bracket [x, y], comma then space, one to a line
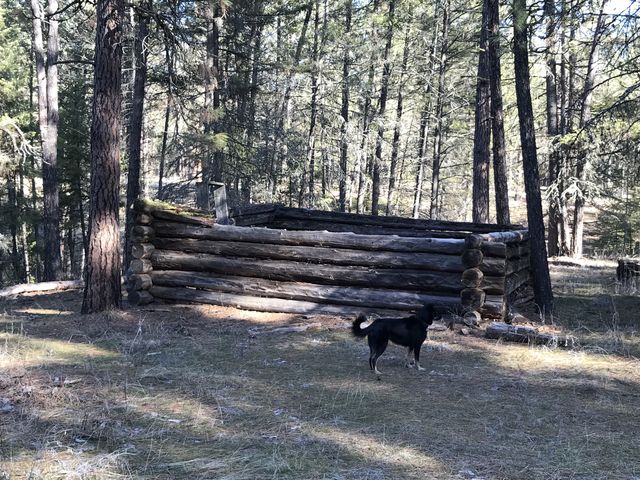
[191, 392]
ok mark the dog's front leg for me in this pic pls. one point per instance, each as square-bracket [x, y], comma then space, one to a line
[409, 361]
[417, 358]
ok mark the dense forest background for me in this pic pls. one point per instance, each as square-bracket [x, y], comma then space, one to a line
[367, 107]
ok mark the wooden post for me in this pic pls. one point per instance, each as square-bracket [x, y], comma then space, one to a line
[220, 202]
[472, 296]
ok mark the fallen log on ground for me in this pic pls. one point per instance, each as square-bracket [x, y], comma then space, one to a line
[523, 334]
[40, 287]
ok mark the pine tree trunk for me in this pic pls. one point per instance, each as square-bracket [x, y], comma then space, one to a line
[582, 165]
[212, 164]
[47, 80]
[437, 132]
[552, 127]
[167, 115]
[497, 117]
[344, 112]
[562, 158]
[538, 256]
[135, 128]
[361, 176]
[284, 118]
[102, 288]
[311, 138]
[482, 136]
[382, 106]
[395, 145]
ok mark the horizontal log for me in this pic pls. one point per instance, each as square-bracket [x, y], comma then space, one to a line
[517, 264]
[205, 221]
[511, 250]
[139, 297]
[317, 238]
[388, 221]
[153, 206]
[506, 236]
[40, 287]
[354, 296]
[139, 281]
[253, 209]
[256, 220]
[502, 285]
[516, 280]
[315, 225]
[306, 272]
[494, 306]
[140, 265]
[260, 304]
[142, 250]
[328, 255]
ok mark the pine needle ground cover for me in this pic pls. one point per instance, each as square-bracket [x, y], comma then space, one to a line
[206, 392]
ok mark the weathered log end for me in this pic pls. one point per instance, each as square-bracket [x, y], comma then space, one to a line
[472, 277]
[473, 241]
[472, 298]
[140, 297]
[139, 282]
[472, 258]
[140, 265]
[142, 250]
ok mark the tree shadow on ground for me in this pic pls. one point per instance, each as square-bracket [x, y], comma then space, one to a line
[186, 392]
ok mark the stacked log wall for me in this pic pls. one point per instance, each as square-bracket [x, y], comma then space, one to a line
[187, 257]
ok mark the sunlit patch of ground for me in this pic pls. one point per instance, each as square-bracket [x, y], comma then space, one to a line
[164, 392]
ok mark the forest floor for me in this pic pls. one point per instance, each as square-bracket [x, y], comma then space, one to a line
[194, 392]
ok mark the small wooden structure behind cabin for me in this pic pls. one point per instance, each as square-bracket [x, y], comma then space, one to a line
[295, 260]
[628, 272]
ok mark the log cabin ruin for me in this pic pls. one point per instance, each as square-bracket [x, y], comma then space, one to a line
[279, 259]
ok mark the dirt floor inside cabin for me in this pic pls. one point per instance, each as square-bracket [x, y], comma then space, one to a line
[200, 392]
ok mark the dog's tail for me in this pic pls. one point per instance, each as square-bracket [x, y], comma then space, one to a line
[356, 330]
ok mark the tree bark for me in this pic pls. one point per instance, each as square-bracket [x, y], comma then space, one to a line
[284, 119]
[311, 138]
[437, 133]
[582, 165]
[395, 145]
[382, 106]
[168, 53]
[102, 287]
[497, 117]
[47, 80]
[552, 127]
[136, 118]
[212, 164]
[344, 111]
[482, 136]
[539, 265]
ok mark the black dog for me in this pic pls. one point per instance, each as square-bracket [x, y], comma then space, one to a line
[409, 332]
